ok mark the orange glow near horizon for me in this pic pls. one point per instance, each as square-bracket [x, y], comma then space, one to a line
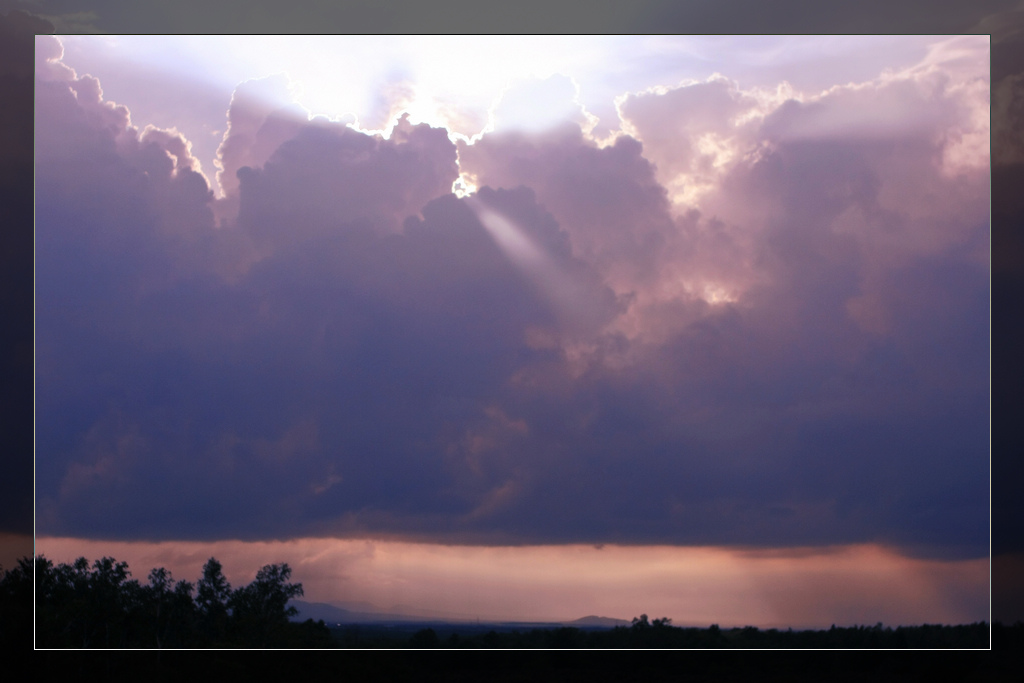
[797, 588]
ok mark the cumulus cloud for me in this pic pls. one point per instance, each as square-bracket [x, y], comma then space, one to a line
[579, 352]
[607, 199]
[261, 116]
[329, 174]
[749, 170]
[691, 131]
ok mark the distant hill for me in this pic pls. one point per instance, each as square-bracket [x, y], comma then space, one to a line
[321, 610]
[605, 622]
[367, 613]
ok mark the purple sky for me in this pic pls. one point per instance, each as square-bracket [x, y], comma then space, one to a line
[731, 294]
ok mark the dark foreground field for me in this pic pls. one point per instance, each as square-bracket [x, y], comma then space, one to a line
[657, 635]
[1002, 664]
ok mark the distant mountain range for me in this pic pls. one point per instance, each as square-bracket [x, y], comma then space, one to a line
[607, 622]
[333, 614]
[367, 613]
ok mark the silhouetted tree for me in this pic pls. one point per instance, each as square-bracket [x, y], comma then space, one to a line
[311, 634]
[160, 583]
[424, 638]
[212, 595]
[260, 611]
[100, 606]
[566, 637]
[171, 611]
[643, 633]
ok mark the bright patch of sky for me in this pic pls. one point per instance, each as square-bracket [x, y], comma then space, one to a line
[455, 81]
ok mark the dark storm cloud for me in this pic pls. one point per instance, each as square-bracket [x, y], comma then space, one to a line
[359, 351]
[333, 361]
[827, 369]
[716, 17]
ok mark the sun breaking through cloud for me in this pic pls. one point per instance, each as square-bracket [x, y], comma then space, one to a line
[695, 300]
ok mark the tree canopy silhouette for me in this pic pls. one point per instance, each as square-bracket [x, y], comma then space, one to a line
[78, 605]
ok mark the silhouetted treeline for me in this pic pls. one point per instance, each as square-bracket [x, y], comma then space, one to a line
[80, 605]
[659, 633]
[101, 606]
